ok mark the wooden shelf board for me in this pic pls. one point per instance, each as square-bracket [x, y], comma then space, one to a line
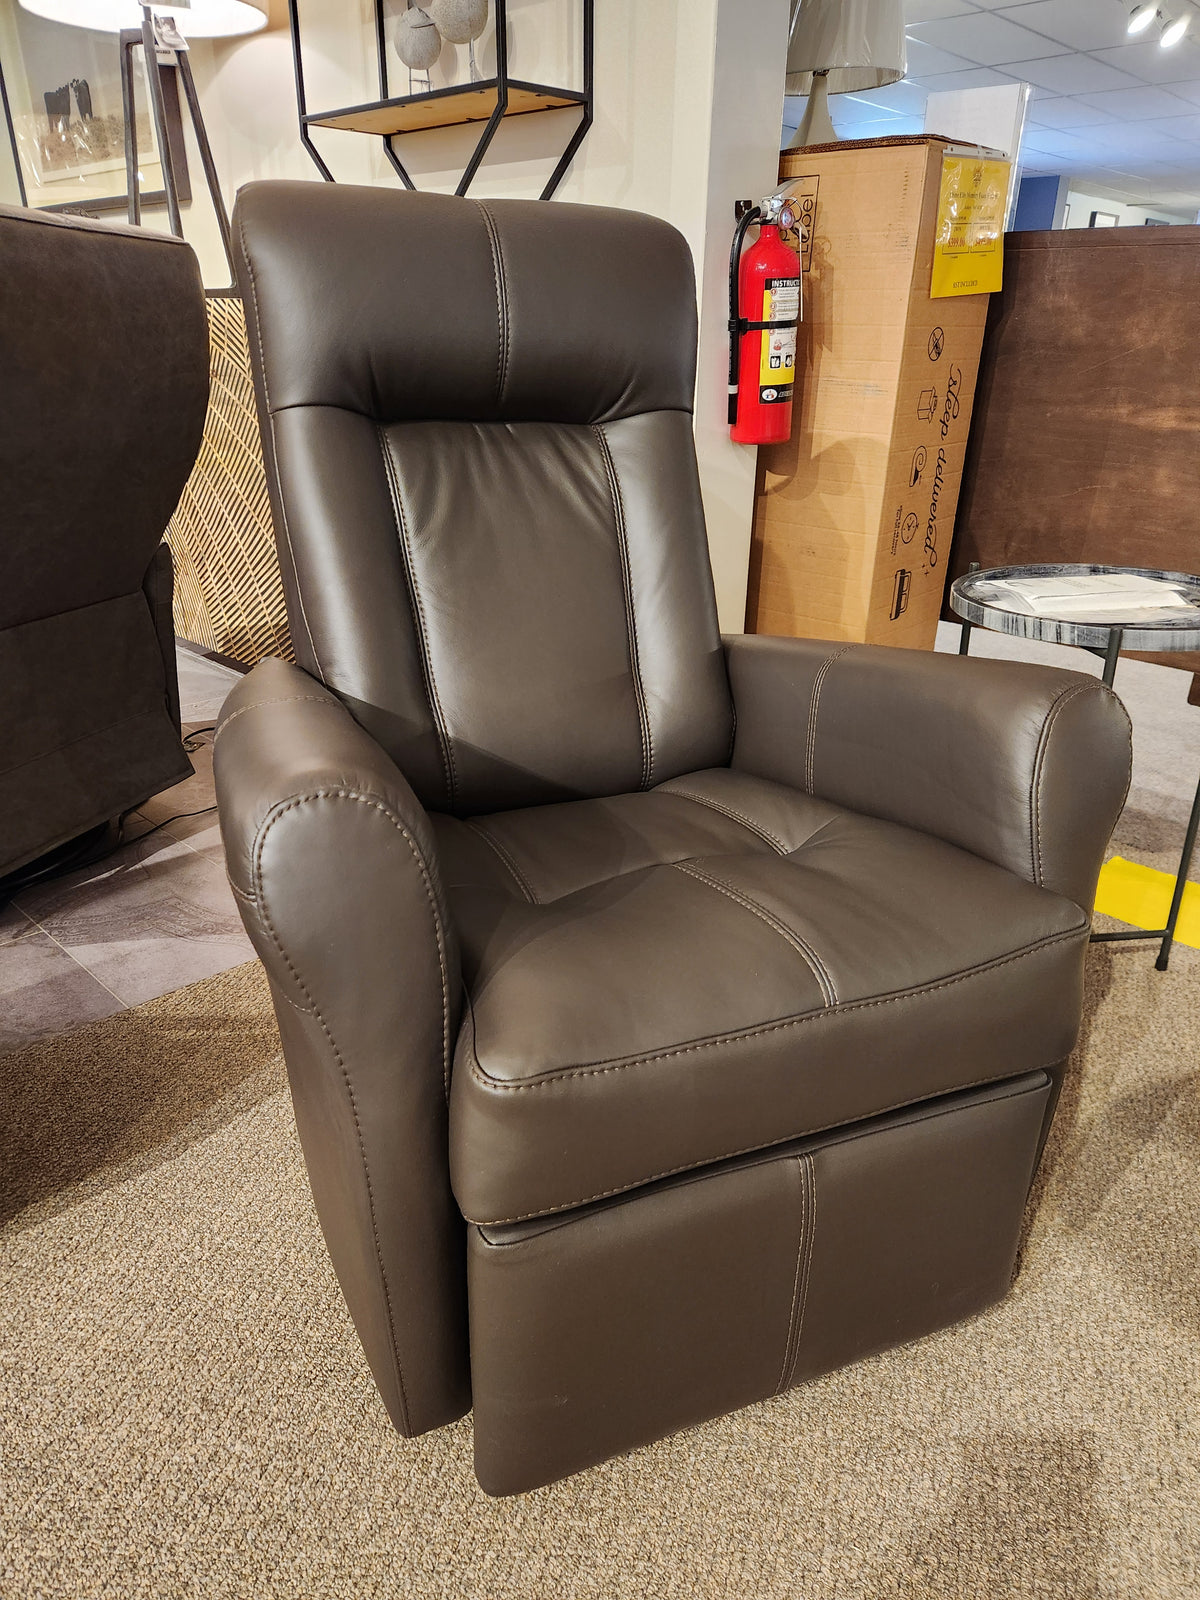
[444, 108]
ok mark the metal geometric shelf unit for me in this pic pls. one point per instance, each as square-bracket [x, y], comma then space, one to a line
[488, 100]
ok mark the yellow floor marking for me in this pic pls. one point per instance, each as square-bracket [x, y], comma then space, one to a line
[1142, 896]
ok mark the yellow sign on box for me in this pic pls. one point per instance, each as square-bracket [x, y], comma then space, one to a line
[968, 249]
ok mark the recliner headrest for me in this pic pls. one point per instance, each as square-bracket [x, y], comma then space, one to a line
[426, 306]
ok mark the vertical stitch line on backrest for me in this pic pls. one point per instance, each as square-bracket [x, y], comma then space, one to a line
[501, 278]
[418, 617]
[635, 666]
[810, 755]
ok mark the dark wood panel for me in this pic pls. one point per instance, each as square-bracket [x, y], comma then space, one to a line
[1085, 443]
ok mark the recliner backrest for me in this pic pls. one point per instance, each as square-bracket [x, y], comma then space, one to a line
[103, 389]
[477, 418]
[104, 367]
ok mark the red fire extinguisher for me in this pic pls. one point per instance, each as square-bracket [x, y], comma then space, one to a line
[764, 310]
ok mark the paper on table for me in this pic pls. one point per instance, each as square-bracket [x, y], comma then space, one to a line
[1092, 594]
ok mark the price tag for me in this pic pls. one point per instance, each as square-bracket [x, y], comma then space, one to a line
[968, 250]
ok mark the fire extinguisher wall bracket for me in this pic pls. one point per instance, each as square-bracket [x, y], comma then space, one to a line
[747, 214]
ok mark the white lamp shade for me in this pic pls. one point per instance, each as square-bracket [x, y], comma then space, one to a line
[859, 43]
[202, 19]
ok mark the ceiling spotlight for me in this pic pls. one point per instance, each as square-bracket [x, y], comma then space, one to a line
[1141, 19]
[1175, 31]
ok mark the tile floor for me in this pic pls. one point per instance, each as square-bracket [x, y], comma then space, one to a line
[159, 913]
[156, 915]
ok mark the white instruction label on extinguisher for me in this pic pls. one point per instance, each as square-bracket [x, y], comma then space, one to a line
[777, 361]
[781, 300]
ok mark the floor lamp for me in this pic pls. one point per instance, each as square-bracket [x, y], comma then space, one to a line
[135, 24]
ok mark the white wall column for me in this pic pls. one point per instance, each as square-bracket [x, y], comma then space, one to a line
[745, 116]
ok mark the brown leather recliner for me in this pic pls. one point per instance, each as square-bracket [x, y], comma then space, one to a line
[669, 1021]
[103, 389]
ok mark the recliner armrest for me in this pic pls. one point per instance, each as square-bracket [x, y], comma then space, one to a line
[333, 863]
[1024, 765]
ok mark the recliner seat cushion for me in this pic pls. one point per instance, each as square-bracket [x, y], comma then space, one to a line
[665, 979]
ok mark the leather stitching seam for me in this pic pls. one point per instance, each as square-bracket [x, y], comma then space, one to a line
[804, 1244]
[505, 859]
[427, 882]
[810, 754]
[734, 816]
[599, 1070]
[810, 1174]
[815, 834]
[749, 1149]
[635, 664]
[501, 278]
[283, 700]
[261, 900]
[417, 608]
[276, 990]
[287, 532]
[1035, 780]
[811, 959]
[787, 1344]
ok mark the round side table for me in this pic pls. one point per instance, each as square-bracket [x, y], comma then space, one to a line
[1104, 610]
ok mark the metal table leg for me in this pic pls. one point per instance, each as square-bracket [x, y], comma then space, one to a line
[964, 638]
[1111, 654]
[1167, 934]
[1185, 861]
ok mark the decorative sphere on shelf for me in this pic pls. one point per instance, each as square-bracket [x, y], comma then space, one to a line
[418, 43]
[459, 21]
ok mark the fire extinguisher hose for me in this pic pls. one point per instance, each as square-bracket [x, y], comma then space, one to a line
[737, 325]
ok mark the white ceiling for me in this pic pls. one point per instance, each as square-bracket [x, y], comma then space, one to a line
[1119, 116]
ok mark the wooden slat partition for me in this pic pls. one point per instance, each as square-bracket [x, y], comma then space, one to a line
[228, 591]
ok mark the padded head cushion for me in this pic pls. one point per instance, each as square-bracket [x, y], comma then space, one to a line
[408, 307]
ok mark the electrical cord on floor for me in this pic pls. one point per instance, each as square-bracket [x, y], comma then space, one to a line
[87, 853]
[90, 849]
[181, 816]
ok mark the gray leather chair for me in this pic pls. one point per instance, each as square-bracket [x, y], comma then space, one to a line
[669, 1020]
[103, 389]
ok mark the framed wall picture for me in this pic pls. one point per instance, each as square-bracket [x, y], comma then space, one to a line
[1104, 219]
[65, 119]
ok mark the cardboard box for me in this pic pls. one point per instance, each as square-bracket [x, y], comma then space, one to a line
[854, 515]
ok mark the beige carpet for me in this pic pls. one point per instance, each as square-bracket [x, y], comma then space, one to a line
[186, 1412]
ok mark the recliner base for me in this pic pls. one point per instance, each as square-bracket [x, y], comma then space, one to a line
[597, 1330]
